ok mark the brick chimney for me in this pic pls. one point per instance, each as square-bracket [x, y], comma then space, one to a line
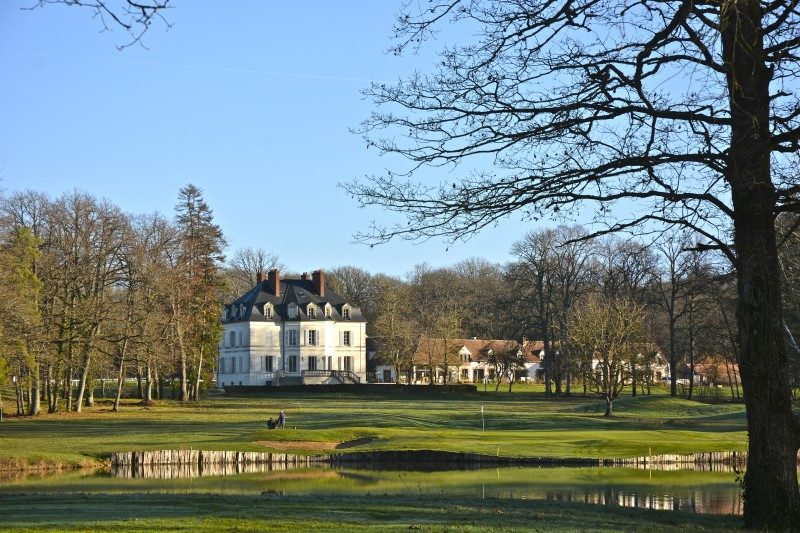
[304, 276]
[318, 276]
[260, 276]
[274, 278]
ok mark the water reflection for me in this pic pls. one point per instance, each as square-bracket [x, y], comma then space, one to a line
[195, 470]
[685, 490]
[707, 500]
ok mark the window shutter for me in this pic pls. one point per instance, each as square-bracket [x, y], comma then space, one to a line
[341, 338]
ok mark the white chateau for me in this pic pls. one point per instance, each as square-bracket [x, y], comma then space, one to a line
[292, 331]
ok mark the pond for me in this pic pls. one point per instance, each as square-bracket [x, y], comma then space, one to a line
[713, 492]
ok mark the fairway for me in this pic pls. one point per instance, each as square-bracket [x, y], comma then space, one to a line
[517, 424]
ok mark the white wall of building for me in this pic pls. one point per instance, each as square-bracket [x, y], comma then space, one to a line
[244, 357]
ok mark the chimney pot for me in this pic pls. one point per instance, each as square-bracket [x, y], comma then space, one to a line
[304, 276]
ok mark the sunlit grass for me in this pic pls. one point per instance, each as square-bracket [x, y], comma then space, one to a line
[522, 423]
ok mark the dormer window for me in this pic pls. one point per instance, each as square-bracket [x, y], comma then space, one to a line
[292, 310]
[311, 311]
[328, 311]
[268, 311]
[346, 312]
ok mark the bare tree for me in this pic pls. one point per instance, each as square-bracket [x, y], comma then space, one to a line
[611, 335]
[134, 17]
[244, 267]
[672, 291]
[575, 102]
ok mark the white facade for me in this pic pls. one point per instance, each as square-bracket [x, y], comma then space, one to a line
[269, 340]
[252, 352]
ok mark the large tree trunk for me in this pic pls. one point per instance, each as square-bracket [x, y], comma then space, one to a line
[771, 496]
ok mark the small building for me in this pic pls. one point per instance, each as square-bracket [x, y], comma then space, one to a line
[291, 331]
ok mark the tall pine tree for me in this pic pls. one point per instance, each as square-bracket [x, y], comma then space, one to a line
[195, 299]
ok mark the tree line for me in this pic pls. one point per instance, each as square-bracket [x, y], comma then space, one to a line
[558, 287]
[90, 291]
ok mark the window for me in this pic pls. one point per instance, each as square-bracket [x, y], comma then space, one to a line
[348, 363]
[233, 366]
[269, 338]
[292, 311]
[268, 311]
[328, 311]
[292, 340]
[312, 363]
[346, 338]
[221, 365]
[240, 338]
[266, 363]
[292, 363]
[346, 313]
[311, 311]
[312, 337]
[232, 339]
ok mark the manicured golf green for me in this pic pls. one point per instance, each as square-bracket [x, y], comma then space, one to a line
[520, 423]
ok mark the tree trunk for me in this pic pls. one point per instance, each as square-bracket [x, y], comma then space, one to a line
[609, 406]
[771, 495]
[120, 383]
[90, 396]
[148, 389]
[84, 376]
[20, 399]
[673, 360]
[139, 389]
[49, 389]
[200, 372]
[68, 387]
[36, 390]
[183, 370]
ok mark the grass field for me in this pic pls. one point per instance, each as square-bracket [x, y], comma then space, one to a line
[520, 423]
[200, 513]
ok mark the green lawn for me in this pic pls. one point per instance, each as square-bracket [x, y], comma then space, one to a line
[329, 512]
[520, 423]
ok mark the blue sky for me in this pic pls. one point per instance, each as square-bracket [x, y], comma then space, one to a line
[249, 100]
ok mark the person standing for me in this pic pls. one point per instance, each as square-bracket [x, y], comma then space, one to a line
[281, 419]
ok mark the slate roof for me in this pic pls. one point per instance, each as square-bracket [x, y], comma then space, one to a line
[433, 349]
[251, 306]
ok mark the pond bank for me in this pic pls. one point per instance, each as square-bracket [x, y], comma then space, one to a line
[136, 462]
